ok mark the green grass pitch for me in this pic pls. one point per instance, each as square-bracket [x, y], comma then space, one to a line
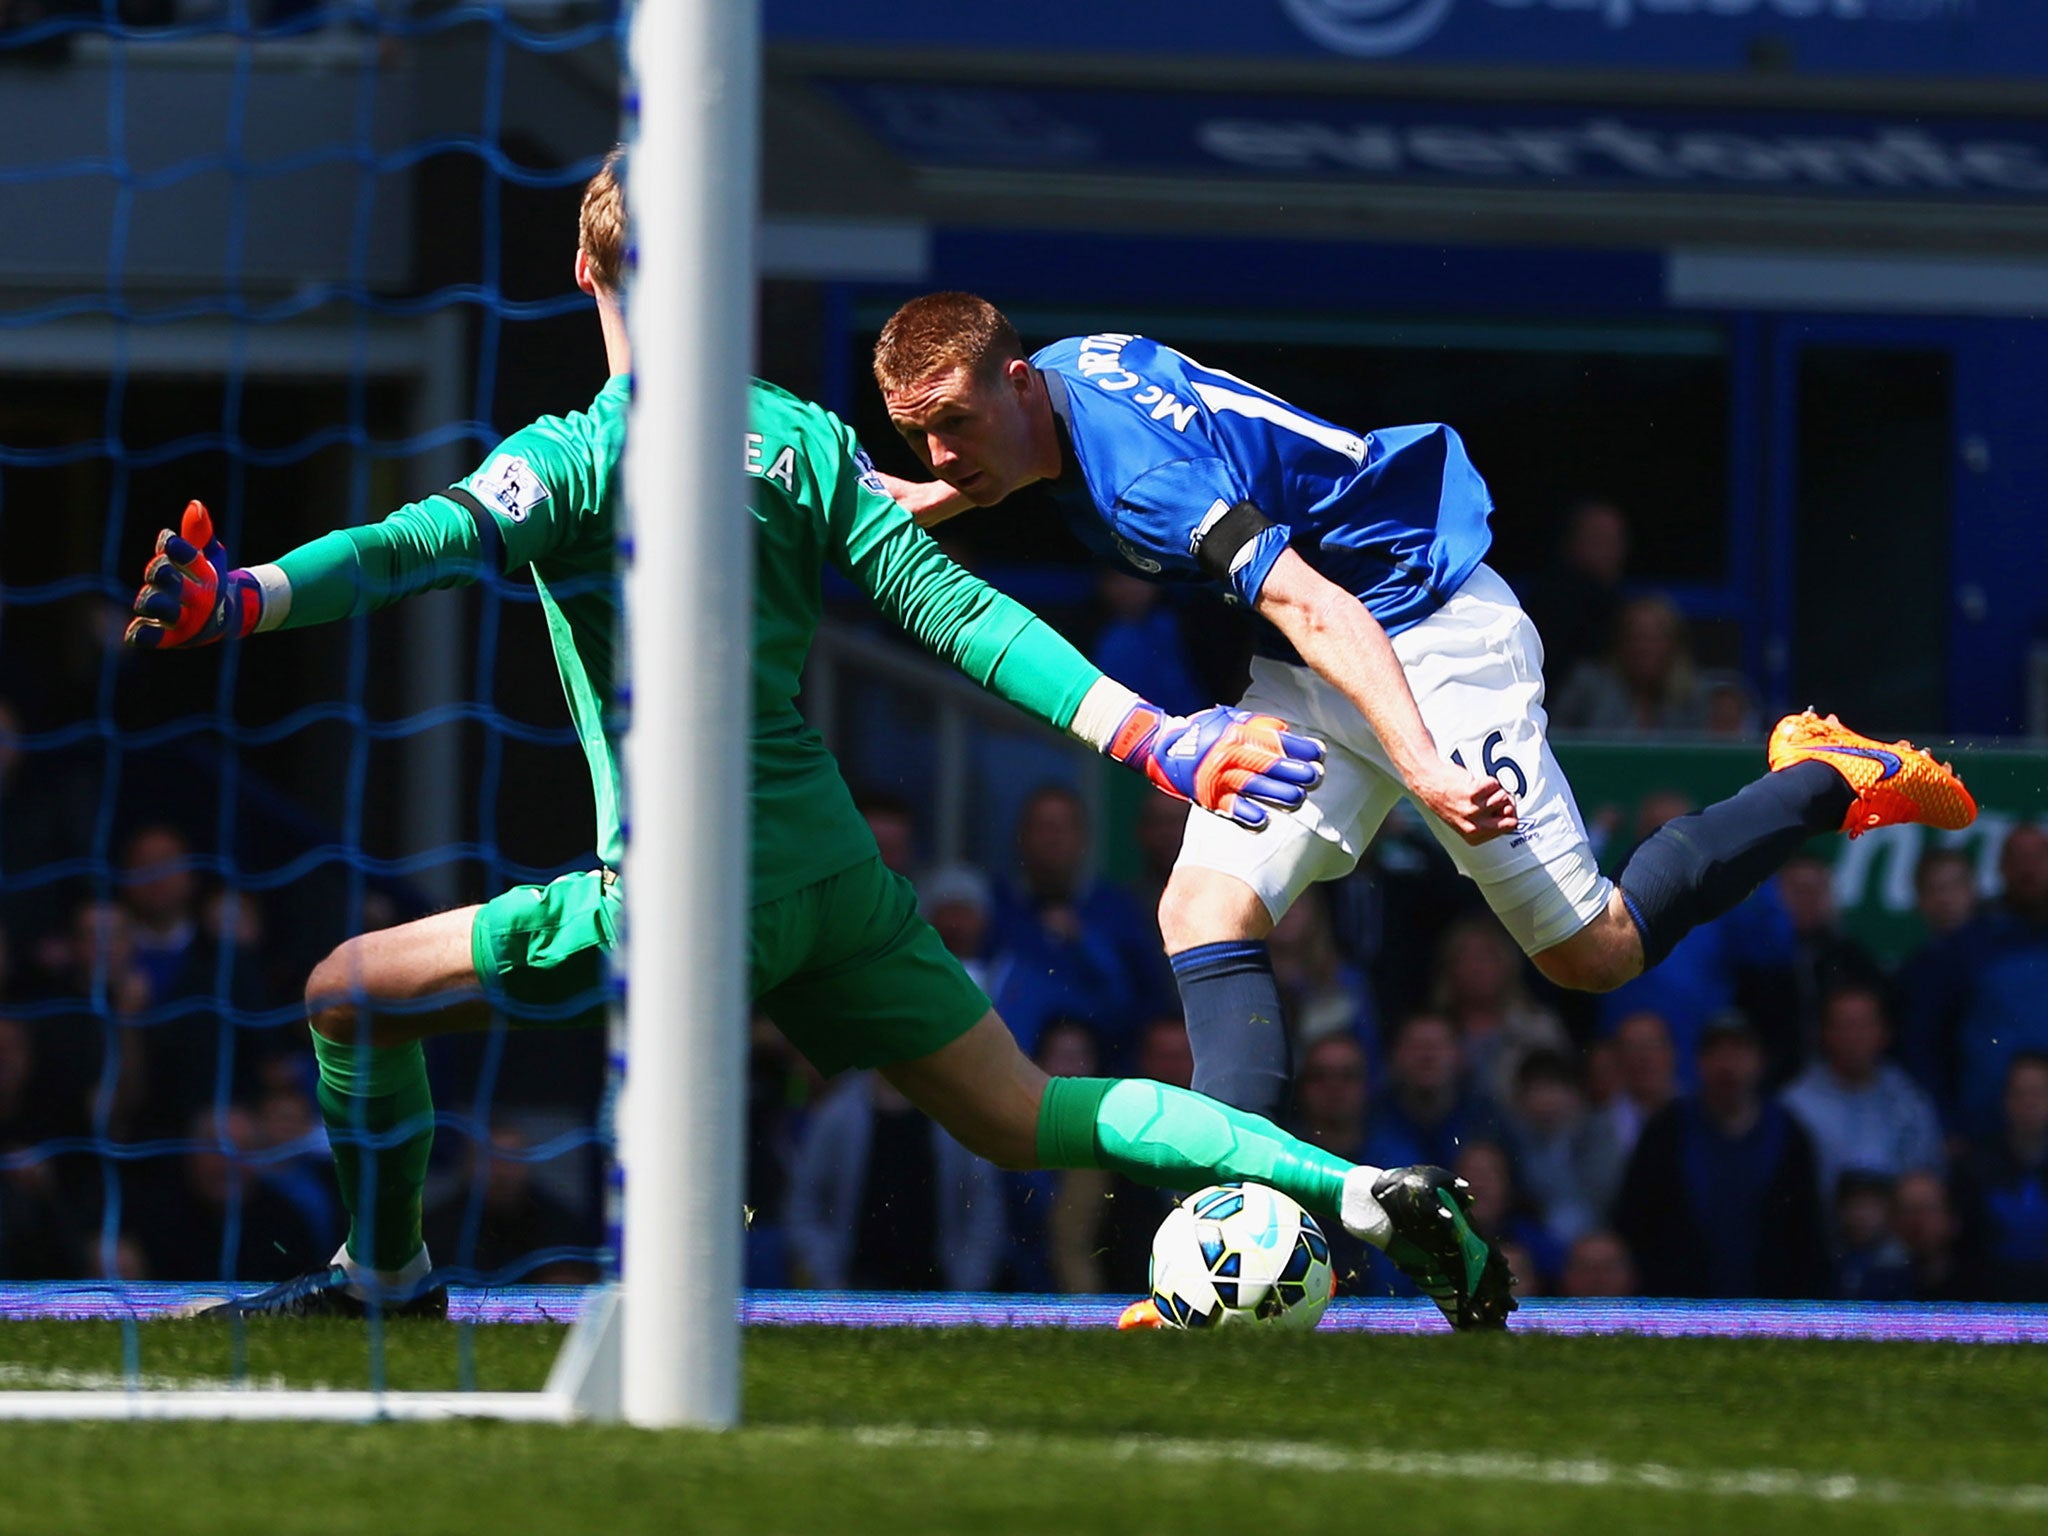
[1053, 1432]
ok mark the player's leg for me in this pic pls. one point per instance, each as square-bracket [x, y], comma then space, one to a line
[536, 952]
[370, 1004]
[855, 978]
[1694, 868]
[996, 1102]
[1230, 885]
[1476, 668]
[1823, 778]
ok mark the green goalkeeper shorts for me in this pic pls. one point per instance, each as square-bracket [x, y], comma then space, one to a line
[854, 977]
[540, 950]
[844, 966]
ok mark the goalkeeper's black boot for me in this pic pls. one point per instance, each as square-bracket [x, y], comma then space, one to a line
[1434, 1245]
[327, 1293]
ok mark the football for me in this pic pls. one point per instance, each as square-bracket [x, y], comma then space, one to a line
[1240, 1253]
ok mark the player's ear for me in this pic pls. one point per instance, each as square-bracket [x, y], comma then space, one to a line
[1017, 374]
[584, 279]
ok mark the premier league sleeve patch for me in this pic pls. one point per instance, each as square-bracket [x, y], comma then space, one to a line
[511, 484]
[869, 479]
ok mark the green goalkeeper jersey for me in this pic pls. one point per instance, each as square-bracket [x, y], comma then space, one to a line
[548, 499]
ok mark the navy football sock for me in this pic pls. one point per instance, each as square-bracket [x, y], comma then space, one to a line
[1694, 868]
[1234, 1024]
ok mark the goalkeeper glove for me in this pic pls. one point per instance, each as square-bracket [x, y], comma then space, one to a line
[189, 597]
[1222, 759]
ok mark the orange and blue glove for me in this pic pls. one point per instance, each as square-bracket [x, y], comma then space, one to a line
[189, 596]
[1224, 760]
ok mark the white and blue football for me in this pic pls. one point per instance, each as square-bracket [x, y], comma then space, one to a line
[1240, 1253]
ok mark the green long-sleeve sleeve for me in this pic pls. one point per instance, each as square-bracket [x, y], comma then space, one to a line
[431, 543]
[954, 614]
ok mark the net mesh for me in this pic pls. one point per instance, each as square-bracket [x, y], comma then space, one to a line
[306, 262]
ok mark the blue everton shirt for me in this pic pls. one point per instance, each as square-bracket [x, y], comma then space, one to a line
[1166, 454]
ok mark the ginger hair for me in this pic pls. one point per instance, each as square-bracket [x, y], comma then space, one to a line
[942, 332]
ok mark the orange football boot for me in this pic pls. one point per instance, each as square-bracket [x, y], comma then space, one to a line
[1894, 781]
[1140, 1314]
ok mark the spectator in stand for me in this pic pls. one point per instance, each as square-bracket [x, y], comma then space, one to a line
[38, 1239]
[1553, 1144]
[180, 960]
[1164, 1052]
[1331, 1093]
[1945, 896]
[1331, 1089]
[1428, 1109]
[1720, 1198]
[1870, 1261]
[1799, 954]
[1696, 980]
[101, 984]
[180, 1212]
[894, 826]
[1865, 1114]
[1575, 601]
[27, 1114]
[1157, 833]
[513, 1218]
[1053, 1221]
[1427, 1112]
[1599, 1267]
[955, 900]
[1978, 1003]
[1141, 644]
[780, 1084]
[1529, 1279]
[1648, 1073]
[1072, 944]
[47, 812]
[882, 1199]
[1924, 1220]
[1322, 993]
[2007, 1181]
[1479, 988]
[1731, 712]
[1647, 684]
[161, 892]
[300, 1167]
[1501, 1211]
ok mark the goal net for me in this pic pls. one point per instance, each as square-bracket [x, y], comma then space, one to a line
[307, 263]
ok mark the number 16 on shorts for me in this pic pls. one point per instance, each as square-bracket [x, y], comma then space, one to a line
[1496, 765]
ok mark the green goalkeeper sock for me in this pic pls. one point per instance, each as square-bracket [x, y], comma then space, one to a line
[367, 1095]
[1170, 1137]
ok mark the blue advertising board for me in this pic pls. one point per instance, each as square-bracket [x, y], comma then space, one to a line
[1906, 38]
[1459, 143]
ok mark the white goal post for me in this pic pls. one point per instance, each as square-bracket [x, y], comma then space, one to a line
[662, 1348]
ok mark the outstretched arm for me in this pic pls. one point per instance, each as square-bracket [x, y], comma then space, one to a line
[543, 491]
[1221, 759]
[1344, 644]
[191, 595]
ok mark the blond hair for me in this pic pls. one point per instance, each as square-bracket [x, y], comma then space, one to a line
[601, 227]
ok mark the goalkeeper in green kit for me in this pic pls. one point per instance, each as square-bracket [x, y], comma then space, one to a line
[838, 956]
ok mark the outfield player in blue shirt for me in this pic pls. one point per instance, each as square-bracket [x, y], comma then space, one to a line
[1384, 632]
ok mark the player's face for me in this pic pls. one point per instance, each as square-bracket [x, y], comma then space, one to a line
[973, 432]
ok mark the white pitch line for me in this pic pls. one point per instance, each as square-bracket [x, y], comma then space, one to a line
[1485, 1466]
[58, 1378]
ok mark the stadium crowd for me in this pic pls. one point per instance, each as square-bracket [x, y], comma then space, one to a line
[1770, 1113]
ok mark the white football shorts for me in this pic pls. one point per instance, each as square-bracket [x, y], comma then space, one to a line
[1475, 667]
